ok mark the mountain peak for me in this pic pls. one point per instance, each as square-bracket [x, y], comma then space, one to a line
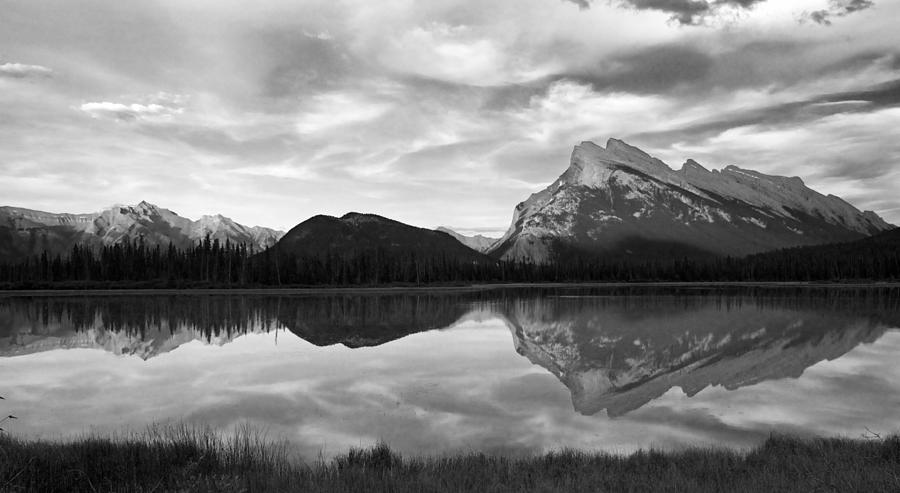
[355, 233]
[691, 166]
[618, 154]
[592, 165]
[142, 208]
[357, 218]
[621, 148]
[145, 207]
[619, 200]
[215, 217]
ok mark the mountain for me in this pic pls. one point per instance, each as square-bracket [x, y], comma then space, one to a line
[478, 243]
[25, 232]
[355, 233]
[618, 354]
[620, 201]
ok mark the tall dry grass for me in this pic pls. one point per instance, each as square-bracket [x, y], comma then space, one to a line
[186, 458]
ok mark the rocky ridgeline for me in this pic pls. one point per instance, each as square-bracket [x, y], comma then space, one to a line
[26, 232]
[620, 201]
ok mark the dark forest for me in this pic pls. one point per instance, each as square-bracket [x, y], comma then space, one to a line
[213, 264]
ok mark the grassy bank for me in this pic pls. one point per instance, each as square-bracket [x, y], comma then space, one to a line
[187, 459]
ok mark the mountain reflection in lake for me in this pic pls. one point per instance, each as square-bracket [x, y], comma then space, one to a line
[508, 370]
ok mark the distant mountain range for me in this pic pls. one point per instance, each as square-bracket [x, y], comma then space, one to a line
[618, 201]
[479, 243]
[25, 232]
[613, 202]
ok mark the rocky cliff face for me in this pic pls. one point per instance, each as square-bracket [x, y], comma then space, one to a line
[620, 201]
[26, 232]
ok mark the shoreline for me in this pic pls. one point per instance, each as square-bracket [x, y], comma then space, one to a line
[306, 290]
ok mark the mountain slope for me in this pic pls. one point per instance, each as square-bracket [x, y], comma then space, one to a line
[356, 233]
[479, 243]
[26, 232]
[620, 201]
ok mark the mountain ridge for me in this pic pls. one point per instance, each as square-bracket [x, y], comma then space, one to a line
[25, 232]
[621, 201]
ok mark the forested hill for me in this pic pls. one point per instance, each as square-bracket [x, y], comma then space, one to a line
[213, 264]
[875, 257]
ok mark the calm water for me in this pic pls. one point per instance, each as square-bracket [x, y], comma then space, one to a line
[499, 370]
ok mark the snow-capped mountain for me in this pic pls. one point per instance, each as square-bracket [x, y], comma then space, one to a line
[479, 243]
[28, 232]
[620, 201]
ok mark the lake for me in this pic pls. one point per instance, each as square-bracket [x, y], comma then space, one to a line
[497, 370]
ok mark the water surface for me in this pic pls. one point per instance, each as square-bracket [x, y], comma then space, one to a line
[496, 370]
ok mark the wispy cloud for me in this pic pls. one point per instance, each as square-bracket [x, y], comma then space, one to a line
[22, 70]
[160, 107]
[129, 112]
[684, 12]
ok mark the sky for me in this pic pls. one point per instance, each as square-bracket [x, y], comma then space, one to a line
[432, 113]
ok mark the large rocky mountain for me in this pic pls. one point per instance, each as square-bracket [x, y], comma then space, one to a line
[355, 233]
[479, 243]
[26, 232]
[619, 201]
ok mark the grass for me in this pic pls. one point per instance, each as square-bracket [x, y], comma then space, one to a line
[183, 458]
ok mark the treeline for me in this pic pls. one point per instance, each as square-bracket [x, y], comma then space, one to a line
[213, 264]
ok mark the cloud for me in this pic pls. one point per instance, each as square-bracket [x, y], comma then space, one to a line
[648, 70]
[447, 52]
[297, 63]
[163, 107]
[837, 8]
[21, 70]
[582, 4]
[684, 12]
[791, 113]
[330, 111]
